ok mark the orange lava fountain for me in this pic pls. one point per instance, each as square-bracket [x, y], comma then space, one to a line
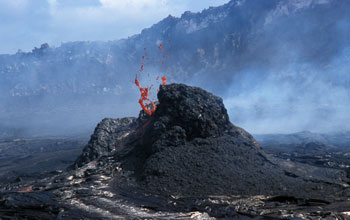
[144, 97]
[164, 80]
[150, 107]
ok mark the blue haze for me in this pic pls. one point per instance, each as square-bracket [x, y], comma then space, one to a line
[281, 66]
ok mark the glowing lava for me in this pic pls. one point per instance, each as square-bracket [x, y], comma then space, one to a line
[25, 189]
[144, 97]
[164, 80]
[145, 92]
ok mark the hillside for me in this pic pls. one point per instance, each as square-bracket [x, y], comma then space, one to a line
[275, 62]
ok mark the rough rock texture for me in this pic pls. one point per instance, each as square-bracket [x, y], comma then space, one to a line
[188, 147]
[186, 161]
[106, 138]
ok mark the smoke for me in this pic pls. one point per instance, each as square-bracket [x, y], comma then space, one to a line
[280, 66]
[290, 101]
[297, 76]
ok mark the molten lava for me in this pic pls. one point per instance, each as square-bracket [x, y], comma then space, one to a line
[25, 189]
[164, 80]
[145, 92]
[144, 97]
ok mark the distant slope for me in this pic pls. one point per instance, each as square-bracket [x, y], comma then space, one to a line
[279, 63]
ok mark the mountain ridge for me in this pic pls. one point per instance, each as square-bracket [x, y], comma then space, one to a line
[276, 45]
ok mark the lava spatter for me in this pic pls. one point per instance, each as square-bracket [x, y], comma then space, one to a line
[146, 92]
[164, 80]
[150, 108]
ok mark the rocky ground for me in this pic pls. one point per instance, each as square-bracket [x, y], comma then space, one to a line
[28, 159]
[186, 161]
[321, 150]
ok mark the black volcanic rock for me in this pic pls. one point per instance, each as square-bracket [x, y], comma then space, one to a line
[185, 161]
[188, 147]
[106, 138]
[200, 113]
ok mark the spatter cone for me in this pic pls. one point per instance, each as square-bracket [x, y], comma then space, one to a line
[188, 147]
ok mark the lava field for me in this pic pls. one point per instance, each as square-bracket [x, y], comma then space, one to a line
[184, 161]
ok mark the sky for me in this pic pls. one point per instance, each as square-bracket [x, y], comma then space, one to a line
[25, 24]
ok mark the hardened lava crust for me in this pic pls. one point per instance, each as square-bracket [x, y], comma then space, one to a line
[185, 161]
